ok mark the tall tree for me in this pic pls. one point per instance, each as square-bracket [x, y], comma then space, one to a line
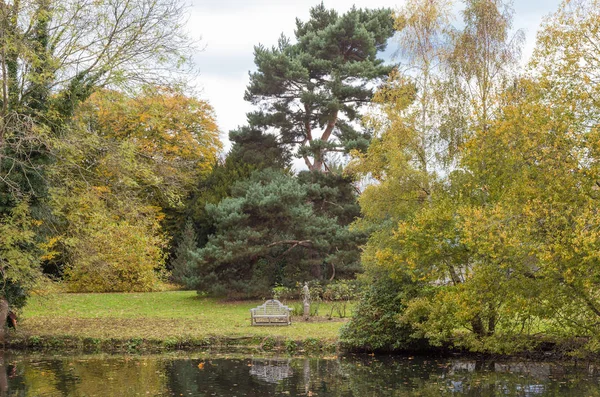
[270, 231]
[175, 136]
[311, 91]
[483, 61]
[448, 91]
[141, 156]
[53, 55]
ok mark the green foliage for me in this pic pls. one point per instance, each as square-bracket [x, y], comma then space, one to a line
[377, 322]
[320, 82]
[183, 270]
[340, 294]
[257, 149]
[495, 233]
[252, 150]
[266, 233]
[276, 229]
[334, 195]
[291, 347]
[421, 204]
[284, 294]
[19, 254]
[137, 173]
[109, 244]
[54, 58]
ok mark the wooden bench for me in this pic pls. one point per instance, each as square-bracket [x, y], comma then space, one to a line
[272, 312]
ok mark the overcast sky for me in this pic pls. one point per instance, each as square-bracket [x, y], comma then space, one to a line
[231, 28]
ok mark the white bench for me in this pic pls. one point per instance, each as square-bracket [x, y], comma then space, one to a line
[272, 312]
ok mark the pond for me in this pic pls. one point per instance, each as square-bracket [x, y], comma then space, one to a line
[364, 376]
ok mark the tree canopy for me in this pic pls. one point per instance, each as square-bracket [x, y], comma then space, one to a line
[54, 55]
[487, 205]
[272, 230]
[311, 91]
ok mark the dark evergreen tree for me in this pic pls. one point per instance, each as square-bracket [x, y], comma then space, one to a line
[183, 265]
[251, 146]
[266, 233]
[276, 227]
[333, 195]
[252, 150]
[311, 92]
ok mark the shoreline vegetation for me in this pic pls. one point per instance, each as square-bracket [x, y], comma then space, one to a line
[160, 322]
[448, 197]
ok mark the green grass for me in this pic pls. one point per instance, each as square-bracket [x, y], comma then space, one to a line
[165, 316]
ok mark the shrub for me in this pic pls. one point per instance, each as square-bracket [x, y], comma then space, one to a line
[340, 294]
[376, 324]
[112, 246]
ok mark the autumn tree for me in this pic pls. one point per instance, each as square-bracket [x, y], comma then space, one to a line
[483, 63]
[127, 166]
[311, 91]
[174, 135]
[53, 55]
[540, 161]
[111, 243]
[446, 90]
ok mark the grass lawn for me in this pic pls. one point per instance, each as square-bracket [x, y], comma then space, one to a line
[172, 315]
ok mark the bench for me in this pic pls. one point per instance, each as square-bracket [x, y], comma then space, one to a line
[272, 312]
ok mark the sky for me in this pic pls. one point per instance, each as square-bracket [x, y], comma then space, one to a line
[229, 29]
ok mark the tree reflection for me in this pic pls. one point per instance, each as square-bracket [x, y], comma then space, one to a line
[363, 376]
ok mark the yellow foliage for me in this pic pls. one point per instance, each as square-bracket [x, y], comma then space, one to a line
[113, 245]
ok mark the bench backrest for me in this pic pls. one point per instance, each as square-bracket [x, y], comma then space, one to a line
[272, 306]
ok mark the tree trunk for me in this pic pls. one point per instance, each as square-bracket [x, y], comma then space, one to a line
[3, 376]
[491, 323]
[3, 316]
[478, 328]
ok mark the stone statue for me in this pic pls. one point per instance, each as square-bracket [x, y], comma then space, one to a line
[306, 300]
[305, 294]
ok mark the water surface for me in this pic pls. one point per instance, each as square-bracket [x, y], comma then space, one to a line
[364, 376]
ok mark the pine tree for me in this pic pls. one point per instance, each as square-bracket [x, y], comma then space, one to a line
[311, 92]
[184, 271]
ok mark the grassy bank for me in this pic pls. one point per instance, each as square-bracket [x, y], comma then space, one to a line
[160, 320]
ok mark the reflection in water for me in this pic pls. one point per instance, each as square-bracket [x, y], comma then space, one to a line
[342, 377]
[271, 371]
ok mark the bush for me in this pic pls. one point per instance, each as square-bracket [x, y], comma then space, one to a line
[113, 249]
[340, 294]
[284, 294]
[376, 324]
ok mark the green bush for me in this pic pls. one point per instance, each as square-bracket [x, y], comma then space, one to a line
[284, 294]
[340, 294]
[376, 323]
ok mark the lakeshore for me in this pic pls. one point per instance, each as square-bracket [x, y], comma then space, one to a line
[169, 321]
[162, 321]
